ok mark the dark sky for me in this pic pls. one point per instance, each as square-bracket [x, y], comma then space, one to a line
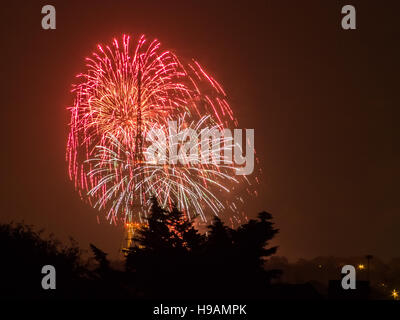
[323, 102]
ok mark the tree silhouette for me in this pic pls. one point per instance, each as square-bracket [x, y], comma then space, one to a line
[107, 282]
[171, 259]
[101, 257]
[237, 257]
[184, 234]
[161, 252]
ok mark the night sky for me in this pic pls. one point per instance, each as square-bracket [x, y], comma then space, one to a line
[323, 102]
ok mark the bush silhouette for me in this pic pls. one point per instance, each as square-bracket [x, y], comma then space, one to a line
[23, 254]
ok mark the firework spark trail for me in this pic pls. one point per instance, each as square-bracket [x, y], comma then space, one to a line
[126, 91]
[190, 187]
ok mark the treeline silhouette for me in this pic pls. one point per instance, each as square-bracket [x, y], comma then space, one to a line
[169, 258]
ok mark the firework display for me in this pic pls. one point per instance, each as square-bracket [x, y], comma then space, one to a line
[127, 99]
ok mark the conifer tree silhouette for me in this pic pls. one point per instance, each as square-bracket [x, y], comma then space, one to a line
[176, 260]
